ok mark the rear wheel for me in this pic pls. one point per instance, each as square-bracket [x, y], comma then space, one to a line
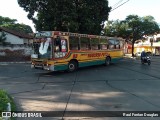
[72, 66]
[142, 62]
[107, 61]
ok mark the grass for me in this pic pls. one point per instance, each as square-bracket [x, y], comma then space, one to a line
[4, 99]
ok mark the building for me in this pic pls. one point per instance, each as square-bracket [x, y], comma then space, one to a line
[128, 47]
[16, 38]
[17, 46]
[150, 44]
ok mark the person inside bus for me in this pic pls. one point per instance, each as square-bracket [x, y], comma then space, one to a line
[58, 44]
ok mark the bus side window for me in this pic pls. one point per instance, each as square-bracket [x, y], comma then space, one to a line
[103, 44]
[95, 44]
[74, 43]
[112, 44]
[117, 43]
[85, 43]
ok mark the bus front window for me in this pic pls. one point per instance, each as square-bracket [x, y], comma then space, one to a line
[35, 50]
[42, 48]
[45, 49]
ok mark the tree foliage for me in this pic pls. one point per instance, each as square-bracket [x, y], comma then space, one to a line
[116, 28]
[83, 16]
[6, 20]
[132, 28]
[11, 24]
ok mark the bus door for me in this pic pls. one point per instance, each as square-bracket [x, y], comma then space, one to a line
[60, 46]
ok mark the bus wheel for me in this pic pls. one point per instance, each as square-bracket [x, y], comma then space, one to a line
[107, 61]
[72, 66]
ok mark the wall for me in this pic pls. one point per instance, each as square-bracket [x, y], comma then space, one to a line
[15, 53]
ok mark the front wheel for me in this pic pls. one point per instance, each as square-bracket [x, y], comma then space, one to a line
[72, 66]
[107, 61]
[149, 62]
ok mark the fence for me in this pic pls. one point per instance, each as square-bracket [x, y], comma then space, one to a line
[15, 53]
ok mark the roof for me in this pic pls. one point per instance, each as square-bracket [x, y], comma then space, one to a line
[16, 33]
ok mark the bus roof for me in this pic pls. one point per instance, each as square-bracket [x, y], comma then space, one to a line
[44, 34]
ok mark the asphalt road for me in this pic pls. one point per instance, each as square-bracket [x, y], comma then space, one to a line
[124, 86]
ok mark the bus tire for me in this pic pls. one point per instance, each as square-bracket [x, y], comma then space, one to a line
[107, 61]
[72, 66]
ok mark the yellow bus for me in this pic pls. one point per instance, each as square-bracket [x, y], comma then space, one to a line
[56, 50]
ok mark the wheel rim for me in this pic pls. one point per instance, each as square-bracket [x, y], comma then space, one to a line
[71, 67]
[107, 61]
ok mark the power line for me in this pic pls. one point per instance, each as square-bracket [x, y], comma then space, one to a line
[119, 5]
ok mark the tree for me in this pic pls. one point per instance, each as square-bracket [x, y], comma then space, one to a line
[116, 28]
[11, 24]
[6, 20]
[83, 16]
[149, 22]
[135, 25]
[132, 28]
[141, 26]
[19, 27]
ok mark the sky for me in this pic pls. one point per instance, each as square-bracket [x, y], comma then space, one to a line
[11, 9]
[136, 7]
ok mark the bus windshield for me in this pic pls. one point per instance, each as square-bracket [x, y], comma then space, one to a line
[42, 49]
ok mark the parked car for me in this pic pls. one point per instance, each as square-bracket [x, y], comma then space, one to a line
[149, 53]
[138, 54]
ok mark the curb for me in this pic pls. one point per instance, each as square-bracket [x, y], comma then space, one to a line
[129, 57]
[2, 63]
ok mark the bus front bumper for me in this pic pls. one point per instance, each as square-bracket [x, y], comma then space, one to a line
[49, 68]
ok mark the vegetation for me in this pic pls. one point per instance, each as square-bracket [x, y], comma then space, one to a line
[83, 16]
[4, 99]
[11, 24]
[132, 28]
[86, 16]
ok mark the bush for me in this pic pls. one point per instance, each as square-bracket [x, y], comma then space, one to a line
[4, 99]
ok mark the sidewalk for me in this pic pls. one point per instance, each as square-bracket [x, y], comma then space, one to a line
[129, 56]
[2, 63]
